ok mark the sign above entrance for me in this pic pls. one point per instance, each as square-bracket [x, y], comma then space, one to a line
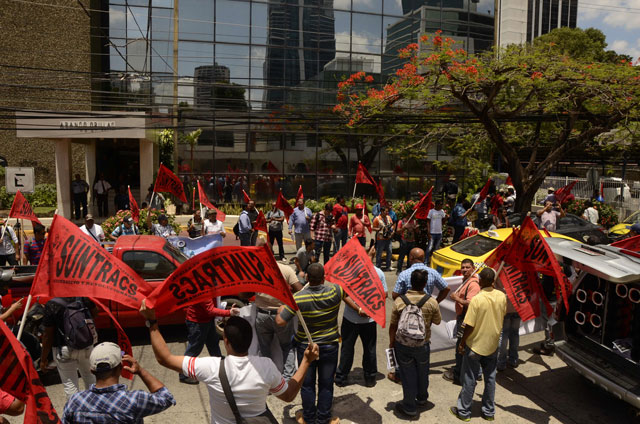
[48, 124]
[19, 179]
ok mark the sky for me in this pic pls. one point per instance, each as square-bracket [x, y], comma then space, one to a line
[619, 20]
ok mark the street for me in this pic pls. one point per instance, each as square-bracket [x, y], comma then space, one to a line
[540, 390]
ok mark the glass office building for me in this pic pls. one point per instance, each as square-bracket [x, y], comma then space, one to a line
[259, 77]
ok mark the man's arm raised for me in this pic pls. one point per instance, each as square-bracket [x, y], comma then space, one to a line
[160, 348]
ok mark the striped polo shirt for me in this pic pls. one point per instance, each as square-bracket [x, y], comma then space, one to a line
[319, 306]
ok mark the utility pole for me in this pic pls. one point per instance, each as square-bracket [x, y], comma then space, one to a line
[175, 85]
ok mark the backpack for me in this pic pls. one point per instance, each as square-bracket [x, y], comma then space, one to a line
[411, 328]
[236, 230]
[79, 330]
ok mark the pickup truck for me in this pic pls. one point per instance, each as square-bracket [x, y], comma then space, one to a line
[152, 257]
[600, 335]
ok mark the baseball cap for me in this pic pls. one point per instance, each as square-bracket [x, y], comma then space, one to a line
[128, 220]
[89, 217]
[635, 228]
[105, 356]
[161, 217]
[551, 189]
[359, 206]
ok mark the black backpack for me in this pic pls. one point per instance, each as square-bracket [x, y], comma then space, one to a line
[79, 330]
[236, 230]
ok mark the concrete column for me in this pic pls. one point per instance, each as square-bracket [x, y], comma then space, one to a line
[63, 177]
[147, 168]
[90, 171]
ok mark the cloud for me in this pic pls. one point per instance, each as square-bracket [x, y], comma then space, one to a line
[361, 45]
[616, 13]
[346, 4]
[624, 47]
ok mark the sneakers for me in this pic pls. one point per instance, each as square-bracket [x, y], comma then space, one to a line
[449, 376]
[543, 350]
[488, 417]
[391, 269]
[370, 382]
[341, 383]
[510, 365]
[334, 420]
[422, 403]
[300, 418]
[400, 410]
[454, 411]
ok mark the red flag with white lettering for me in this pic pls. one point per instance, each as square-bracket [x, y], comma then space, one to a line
[221, 271]
[363, 176]
[424, 205]
[20, 379]
[133, 205]
[167, 181]
[72, 262]
[22, 209]
[123, 339]
[205, 201]
[352, 270]
[283, 205]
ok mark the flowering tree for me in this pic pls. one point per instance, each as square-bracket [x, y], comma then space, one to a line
[530, 104]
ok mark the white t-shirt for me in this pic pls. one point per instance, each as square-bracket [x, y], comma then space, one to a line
[251, 378]
[101, 187]
[591, 214]
[95, 232]
[213, 228]
[436, 218]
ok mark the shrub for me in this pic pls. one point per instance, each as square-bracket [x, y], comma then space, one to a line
[113, 222]
[43, 195]
[607, 214]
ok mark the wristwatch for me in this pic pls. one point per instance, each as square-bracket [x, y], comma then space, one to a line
[150, 322]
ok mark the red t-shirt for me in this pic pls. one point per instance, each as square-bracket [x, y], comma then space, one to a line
[5, 400]
[205, 312]
[341, 213]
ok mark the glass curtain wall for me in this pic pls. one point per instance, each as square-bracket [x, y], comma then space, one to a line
[259, 78]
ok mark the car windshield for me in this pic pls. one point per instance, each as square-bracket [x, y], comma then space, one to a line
[175, 253]
[633, 218]
[476, 246]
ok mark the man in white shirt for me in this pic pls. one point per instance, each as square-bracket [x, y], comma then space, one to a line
[213, 226]
[251, 378]
[434, 220]
[101, 189]
[91, 229]
[549, 217]
[7, 244]
[510, 201]
[590, 213]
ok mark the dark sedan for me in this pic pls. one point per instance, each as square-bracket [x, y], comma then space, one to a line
[572, 226]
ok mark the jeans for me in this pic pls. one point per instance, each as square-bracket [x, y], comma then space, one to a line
[383, 246]
[245, 239]
[457, 369]
[414, 365]
[350, 333]
[325, 247]
[80, 199]
[10, 259]
[434, 244]
[266, 330]
[405, 248]
[340, 239]
[471, 365]
[277, 236]
[254, 237]
[511, 335]
[363, 241]
[70, 361]
[325, 369]
[457, 232]
[546, 321]
[200, 334]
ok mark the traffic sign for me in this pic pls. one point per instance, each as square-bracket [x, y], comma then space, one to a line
[19, 179]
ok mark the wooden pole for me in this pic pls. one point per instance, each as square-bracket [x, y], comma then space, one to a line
[21, 242]
[304, 325]
[24, 317]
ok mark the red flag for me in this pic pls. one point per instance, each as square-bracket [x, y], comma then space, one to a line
[283, 205]
[123, 339]
[380, 191]
[484, 192]
[261, 223]
[629, 243]
[363, 177]
[509, 181]
[528, 253]
[272, 168]
[22, 209]
[168, 182]
[300, 194]
[247, 199]
[72, 262]
[133, 205]
[218, 272]
[352, 269]
[20, 379]
[424, 206]
[563, 194]
[205, 201]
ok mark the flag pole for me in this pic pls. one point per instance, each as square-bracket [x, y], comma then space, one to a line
[304, 325]
[24, 317]
[21, 242]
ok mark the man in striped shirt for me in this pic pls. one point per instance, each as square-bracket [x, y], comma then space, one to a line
[34, 247]
[319, 305]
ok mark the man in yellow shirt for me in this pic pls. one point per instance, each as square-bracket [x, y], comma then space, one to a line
[483, 326]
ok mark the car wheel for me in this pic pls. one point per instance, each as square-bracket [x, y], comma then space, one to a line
[230, 302]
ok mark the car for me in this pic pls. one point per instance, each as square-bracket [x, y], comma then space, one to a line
[572, 226]
[614, 189]
[447, 260]
[622, 228]
[599, 335]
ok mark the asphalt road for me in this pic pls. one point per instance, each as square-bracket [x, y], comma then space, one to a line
[541, 390]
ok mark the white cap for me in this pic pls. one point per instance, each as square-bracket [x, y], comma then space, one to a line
[105, 356]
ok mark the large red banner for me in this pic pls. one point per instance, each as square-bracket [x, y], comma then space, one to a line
[218, 272]
[72, 263]
[123, 339]
[167, 181]
[205, 201]
[283, 205]
[352, 269]
[22, 209]
[363, 176]
[630, 243]
[526, 251]
[424, 206]
[133, 205]
[20, 379]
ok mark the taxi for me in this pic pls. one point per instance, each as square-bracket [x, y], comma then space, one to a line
[447, 260]
[622, 228]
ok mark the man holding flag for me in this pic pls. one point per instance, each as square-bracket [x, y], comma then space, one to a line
[8, 241]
